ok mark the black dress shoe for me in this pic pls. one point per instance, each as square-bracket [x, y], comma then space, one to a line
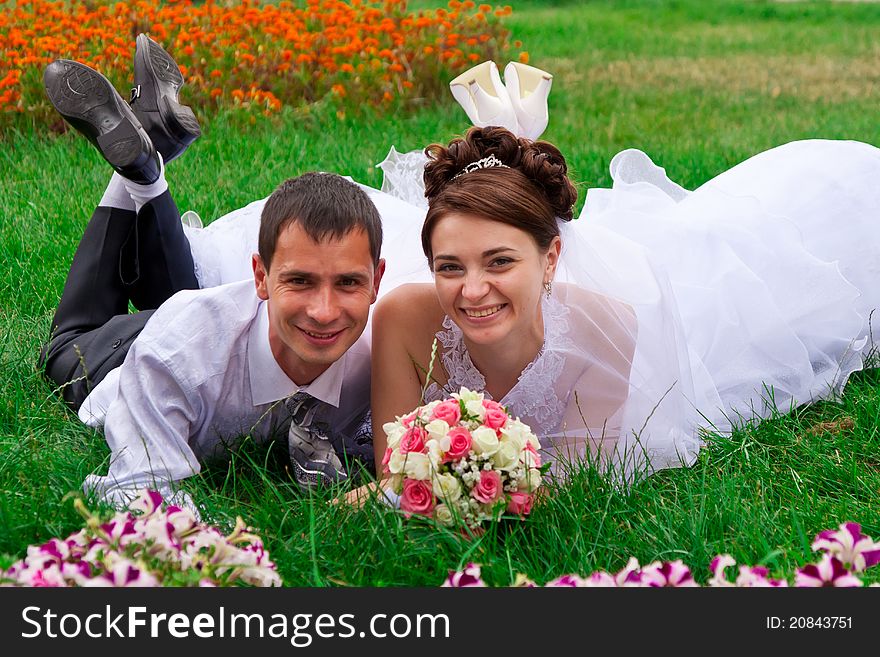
[89, 103]
[154, 99]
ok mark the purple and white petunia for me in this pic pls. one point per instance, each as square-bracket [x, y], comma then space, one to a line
[631, 575]
[670, 573]
[757, 577]
[830, 571]
[852, 548]
[141, 547]
[571, 581]
[469, 577]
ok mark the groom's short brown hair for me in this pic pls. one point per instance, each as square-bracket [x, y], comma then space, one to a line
[325, 205]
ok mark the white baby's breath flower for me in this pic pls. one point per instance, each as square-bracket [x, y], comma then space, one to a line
[484, 441]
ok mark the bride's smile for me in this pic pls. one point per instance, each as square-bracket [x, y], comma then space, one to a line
[489, 278]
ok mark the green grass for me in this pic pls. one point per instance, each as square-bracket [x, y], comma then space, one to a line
[699, 86]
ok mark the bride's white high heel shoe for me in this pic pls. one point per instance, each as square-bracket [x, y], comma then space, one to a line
[528, 88]
[484, 97]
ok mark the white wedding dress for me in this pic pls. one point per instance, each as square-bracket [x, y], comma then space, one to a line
[673, 312]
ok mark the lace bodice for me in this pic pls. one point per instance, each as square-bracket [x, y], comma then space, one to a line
[535, 398]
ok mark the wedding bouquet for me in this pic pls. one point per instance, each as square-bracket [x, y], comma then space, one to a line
[462, 459]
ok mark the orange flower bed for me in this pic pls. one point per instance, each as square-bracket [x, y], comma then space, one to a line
[252, 55]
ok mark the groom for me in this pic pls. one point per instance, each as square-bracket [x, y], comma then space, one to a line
[194, 370]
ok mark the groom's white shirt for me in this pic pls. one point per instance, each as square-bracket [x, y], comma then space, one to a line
[200, 376]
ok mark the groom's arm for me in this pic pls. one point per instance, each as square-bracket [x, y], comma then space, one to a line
[148, 426]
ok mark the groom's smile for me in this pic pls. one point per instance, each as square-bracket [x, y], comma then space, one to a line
[319, 295]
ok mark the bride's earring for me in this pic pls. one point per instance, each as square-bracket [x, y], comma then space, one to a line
[484, 97]
[528, 88]
[548, 287]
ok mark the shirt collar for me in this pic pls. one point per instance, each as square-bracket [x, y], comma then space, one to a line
[269, 383]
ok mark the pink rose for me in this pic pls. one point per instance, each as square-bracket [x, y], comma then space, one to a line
[417, 497]
[459, 444]
[408, 419]
[488, 489]
[520, 503]
[386, 460]
[448, 411]
[491, 405]
[495, 417]
[413, 440]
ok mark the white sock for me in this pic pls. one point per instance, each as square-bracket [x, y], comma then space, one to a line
[143, 194]
[116, 195]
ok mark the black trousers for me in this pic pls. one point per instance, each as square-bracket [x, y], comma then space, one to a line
[123, 256]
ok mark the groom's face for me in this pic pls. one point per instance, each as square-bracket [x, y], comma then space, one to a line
[319, 296]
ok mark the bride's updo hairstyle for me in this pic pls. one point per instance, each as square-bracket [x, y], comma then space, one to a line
[530, 192]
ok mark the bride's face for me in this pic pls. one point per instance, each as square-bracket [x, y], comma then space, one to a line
[490, 276]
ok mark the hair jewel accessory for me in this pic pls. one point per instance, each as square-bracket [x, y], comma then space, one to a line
[484, 163]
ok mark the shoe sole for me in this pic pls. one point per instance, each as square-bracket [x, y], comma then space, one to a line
[88, 101]
[178, 120]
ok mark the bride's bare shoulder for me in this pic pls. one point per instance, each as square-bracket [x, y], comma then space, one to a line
[413, 306]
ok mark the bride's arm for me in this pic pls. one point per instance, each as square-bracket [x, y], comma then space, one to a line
[402, 327]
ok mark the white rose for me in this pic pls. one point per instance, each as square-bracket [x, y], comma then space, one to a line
[475, 407]
[466, 396]
[417, 466]
[513, 431]
[533, 440]
[484, 441]
[531, 481]
[437, 429]
[443, 515]
[395, 483]
[435, 453]
[527, 434]
[396, 462]
[394, 431]
[527, 458]
[447, 486]
[507, 456]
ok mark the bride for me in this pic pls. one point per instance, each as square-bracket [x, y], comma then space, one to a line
[654, 316]
[657, 314]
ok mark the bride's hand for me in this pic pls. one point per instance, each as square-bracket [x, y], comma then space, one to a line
[359, 496]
